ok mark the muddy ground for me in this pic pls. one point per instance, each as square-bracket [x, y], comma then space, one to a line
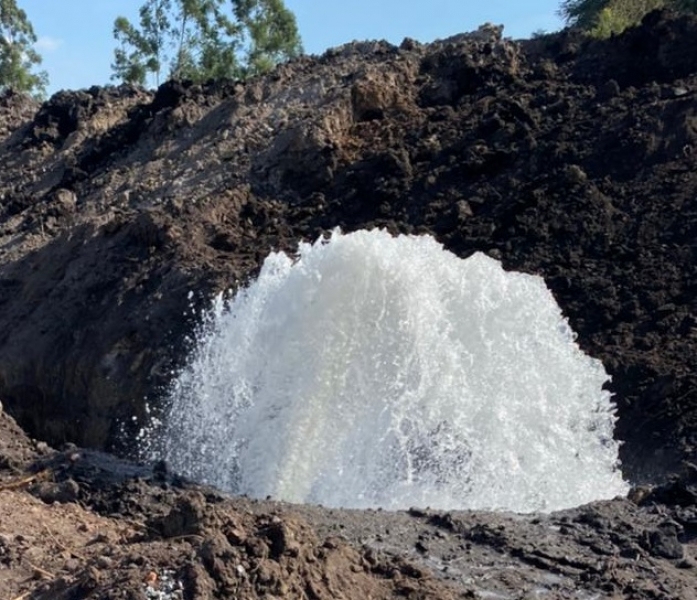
[119, 207]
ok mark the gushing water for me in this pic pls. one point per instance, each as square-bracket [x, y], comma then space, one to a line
[379, 371]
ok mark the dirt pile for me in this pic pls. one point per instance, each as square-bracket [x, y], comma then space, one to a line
[122, 211]
[563, 157]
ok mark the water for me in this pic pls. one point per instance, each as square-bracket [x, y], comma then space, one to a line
[379, 371]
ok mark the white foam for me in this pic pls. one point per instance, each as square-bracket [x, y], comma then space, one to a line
[380, 371]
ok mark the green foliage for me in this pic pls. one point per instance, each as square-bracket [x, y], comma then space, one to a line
[603, 18]
[618, 15]
[204, 39]
[609, 22]
[272, 34]
[582, 13]
[142, 50]
[17, 55]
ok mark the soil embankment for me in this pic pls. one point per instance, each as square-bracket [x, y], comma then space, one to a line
[564, 157]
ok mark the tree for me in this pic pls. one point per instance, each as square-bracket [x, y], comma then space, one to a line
[142, 51]
[602, 18]
[618, 15]
[17, 55]
[582, 13]
[272, 33]
[204, 39]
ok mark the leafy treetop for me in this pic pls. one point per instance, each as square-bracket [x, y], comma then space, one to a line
[203, 39]
[603, 18]
[17, 54]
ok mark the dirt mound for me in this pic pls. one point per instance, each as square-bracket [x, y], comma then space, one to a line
[565, 157]
[556, 155]
[122, 211]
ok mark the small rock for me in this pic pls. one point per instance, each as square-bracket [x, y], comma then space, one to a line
[71, 564]
[464, 210]
[42, 447]
[65, 491]
[663, 543]
[331, 543]
[609, 89]
[183, 519]
[639, 493]
[257, 548]
[65, 201]
[104, 562]
[575, 174]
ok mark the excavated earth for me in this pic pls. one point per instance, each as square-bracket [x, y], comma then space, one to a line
[122, 211]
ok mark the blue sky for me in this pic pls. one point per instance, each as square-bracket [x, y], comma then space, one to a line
[75, 36]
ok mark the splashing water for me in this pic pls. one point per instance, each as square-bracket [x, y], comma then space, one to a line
[379, 371]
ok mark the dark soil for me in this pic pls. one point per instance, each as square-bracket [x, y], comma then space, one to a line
[564, 157]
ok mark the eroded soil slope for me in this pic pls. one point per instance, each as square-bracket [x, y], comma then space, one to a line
[122, 210]
[567, 158]
[563, 157]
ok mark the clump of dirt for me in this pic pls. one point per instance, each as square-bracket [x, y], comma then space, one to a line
[122, 211]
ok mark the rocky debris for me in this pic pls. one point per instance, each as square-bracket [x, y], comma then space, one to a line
[129, 532]
[16, 110]
[117, 535]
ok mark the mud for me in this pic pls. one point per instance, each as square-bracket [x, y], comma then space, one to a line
[83, 524]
